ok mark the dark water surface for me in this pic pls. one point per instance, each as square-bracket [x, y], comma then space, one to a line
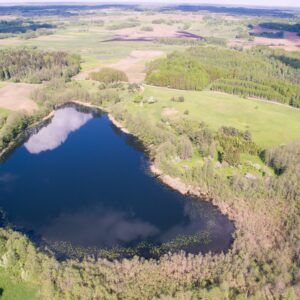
[79, 180]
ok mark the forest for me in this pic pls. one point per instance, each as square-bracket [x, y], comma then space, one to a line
[35, 66]
[282, 26]
[259, 72]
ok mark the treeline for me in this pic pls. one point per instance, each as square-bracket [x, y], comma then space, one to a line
[109, 75]
[282, 26]
[270, 35]
[284, 93]
[22, 26]
[259, 72]
[34, 66]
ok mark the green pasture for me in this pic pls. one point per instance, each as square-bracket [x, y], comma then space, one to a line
[270, 124]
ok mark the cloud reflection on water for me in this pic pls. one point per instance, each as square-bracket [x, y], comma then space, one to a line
[98, 226]
[105, 227]
[65, 121]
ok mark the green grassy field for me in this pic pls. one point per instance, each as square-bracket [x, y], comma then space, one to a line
[270, 124]
[11, 290]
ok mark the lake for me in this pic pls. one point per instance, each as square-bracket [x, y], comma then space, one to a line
[79, 184]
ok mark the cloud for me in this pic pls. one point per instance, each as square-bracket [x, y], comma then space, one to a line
[65, 121]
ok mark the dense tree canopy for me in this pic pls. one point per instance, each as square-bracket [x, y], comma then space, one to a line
[35, 66]
[178, 71]
[258, 72]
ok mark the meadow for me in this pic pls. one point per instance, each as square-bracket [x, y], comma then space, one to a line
[271, 124]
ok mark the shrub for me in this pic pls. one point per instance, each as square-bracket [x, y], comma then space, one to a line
[177, 99]
[147, 28]
[184, 148]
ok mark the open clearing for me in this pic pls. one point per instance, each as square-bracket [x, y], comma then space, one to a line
[16, 96]
[291, 44]
[133, 65]
[14, 290]
[218, 110]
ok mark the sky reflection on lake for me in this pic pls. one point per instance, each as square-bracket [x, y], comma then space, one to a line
[52, 136]
[80, 181]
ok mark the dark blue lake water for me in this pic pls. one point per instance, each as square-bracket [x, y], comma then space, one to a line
[80, 182]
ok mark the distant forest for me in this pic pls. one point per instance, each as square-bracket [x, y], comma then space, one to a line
[278, 28]
[282, 26]
[72, 10]
[22, 26]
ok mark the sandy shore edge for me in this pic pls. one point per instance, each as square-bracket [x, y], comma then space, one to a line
[118, 124]
[176, 183]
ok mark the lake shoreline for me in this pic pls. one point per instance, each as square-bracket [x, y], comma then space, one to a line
[177, 183]
[174, 183]
[166, 183]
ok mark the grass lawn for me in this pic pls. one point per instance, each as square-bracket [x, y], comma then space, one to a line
[270, 124]
[11, 290]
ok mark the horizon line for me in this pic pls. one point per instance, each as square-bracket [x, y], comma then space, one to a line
[167, 3]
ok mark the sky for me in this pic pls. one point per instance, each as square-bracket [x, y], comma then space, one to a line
[271, 3]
